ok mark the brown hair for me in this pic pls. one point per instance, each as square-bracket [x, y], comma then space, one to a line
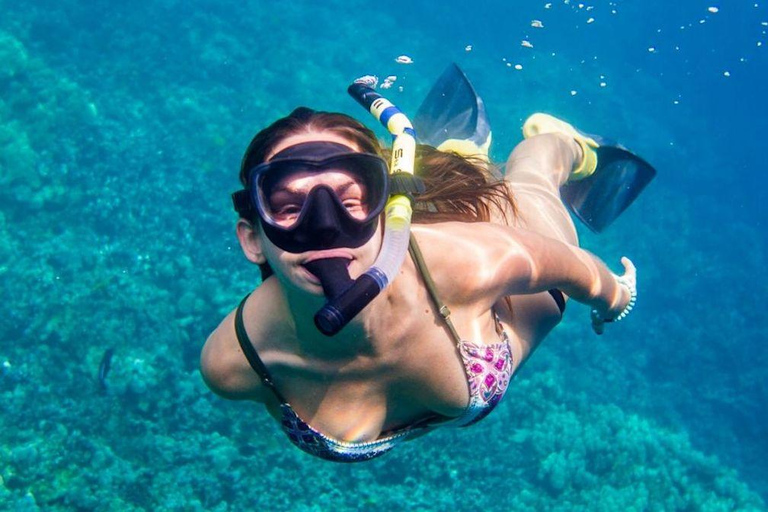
[457, 188]
[305, 120]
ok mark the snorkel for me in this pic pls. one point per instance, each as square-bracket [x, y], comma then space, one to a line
[347, 297]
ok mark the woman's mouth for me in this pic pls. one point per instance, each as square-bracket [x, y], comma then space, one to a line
[331, 272]
[324, 255]
[309, 276]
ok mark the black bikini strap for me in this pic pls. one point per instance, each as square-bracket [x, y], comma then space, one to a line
[559, 299]
[250, 353]
[418, 258]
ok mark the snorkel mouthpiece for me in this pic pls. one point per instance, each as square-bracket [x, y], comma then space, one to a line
[347, 297]
[335, 280]
[333, 275]
[338, 311]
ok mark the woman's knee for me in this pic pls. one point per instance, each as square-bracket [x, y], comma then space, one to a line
[547, 158]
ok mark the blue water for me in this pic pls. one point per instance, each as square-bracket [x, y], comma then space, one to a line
[121, 130]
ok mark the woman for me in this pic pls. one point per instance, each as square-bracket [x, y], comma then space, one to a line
[501, 255]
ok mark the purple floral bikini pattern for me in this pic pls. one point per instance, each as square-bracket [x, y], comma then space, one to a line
[489, 370]
[318, 444]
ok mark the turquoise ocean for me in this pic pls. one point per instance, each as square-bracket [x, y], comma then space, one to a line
[121, 129]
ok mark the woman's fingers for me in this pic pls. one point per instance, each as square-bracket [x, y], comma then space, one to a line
[598, 324]
[628, 265]
[630, 272]
[628, 280]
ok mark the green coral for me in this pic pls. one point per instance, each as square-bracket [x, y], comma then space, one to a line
[18, 161]
[38, 111]
[13, 55]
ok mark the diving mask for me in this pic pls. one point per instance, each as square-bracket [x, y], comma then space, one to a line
[319, 195]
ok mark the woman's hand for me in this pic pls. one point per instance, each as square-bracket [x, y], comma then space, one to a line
[628, 288]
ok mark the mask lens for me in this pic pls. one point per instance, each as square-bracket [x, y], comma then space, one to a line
[283, 188]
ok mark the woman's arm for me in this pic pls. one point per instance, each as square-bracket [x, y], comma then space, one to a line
[479, 263]
[532, 263]
[225, 368]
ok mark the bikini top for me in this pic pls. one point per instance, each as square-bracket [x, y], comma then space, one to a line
[488, 369]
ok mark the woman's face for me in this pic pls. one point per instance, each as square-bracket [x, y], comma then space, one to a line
[285, 200]
[288, 194]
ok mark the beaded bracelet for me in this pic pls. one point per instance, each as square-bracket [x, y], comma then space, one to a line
[632, 289]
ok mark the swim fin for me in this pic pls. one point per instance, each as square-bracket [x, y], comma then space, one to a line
[600, 198]
[452, 116]
[608, 180]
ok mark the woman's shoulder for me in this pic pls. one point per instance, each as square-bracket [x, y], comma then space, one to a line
[463, 257]
[483, 246]
[457, 233]
[223, 364]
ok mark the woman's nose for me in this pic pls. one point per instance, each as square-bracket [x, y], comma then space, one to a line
[323, 220]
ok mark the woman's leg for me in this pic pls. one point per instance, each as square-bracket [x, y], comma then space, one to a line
[535, 170]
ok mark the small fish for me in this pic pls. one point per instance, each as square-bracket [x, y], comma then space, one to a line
[104, 366]
[404, 59]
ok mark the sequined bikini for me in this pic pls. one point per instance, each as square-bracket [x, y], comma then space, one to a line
[488, 369]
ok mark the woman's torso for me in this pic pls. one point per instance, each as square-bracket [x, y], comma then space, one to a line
[411, 369]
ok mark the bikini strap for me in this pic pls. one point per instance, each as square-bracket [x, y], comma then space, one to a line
[418, 259]
[250, 353]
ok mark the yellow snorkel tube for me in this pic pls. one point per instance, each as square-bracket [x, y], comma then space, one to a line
[339, 310]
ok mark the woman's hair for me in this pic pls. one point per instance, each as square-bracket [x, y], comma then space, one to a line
[457, 188]
[306, 120]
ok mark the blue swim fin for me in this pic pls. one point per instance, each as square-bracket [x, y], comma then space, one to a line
[452, 116]
[607, 180]
[600, 198]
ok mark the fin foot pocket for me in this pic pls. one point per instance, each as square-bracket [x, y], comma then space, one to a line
[540, 123]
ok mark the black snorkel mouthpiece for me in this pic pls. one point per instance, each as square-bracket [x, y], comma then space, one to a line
[333, 275]
[339, 311]
[346, 296]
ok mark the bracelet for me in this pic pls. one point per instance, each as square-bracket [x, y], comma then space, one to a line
[632, 289]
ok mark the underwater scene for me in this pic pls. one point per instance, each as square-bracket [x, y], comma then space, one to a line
[122, 126]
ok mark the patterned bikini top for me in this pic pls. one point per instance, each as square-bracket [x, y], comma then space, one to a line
[488, 369]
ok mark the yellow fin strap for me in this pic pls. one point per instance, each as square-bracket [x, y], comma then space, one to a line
[466, 148]
[588, 162]
[540, 123]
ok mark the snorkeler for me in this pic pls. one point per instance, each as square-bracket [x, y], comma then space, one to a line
[353, 354]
